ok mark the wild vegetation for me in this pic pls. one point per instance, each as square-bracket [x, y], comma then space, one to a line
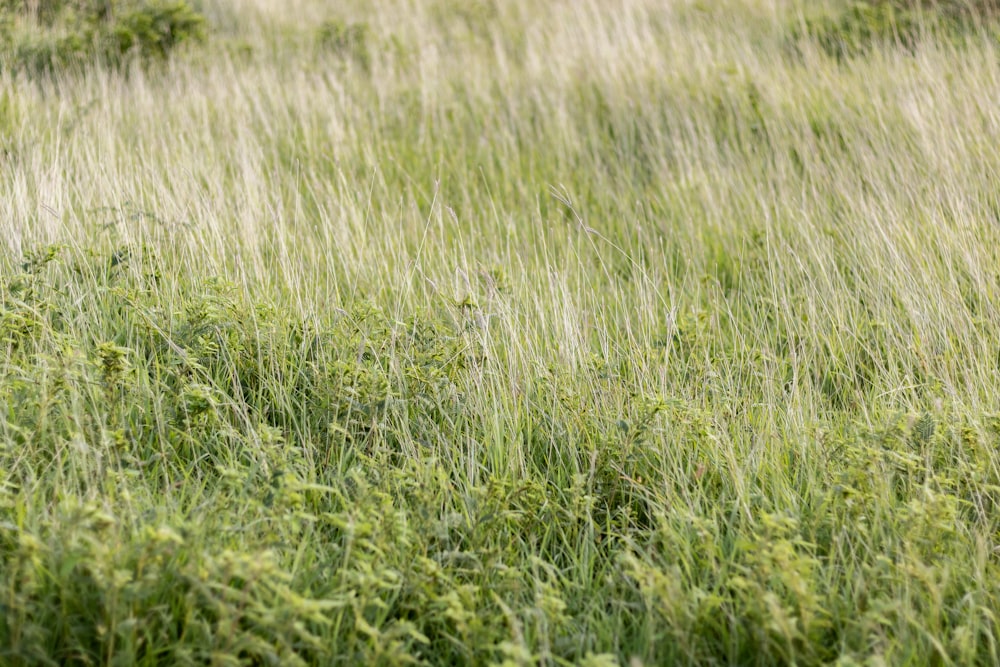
[854, 28]
[511, 333]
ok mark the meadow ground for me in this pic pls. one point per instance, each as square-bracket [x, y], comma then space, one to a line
[618, 332]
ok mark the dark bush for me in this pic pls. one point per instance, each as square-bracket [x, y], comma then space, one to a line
[49, 12]
[348, 41]
[860, 25]
[952, 10]
[153, 29]
[53, 35]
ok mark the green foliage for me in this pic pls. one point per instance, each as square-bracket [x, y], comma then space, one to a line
[351, 42]
[952, 10]
[50, 12]
[860, 25]
[318, 509]
[63, 35]
[152, 30]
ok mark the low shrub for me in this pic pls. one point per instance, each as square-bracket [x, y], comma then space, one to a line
[348, 41]
[153, 30]
[192, 476]
[862, 25]
[53, 36]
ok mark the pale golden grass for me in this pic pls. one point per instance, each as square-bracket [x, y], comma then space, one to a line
[271, 168]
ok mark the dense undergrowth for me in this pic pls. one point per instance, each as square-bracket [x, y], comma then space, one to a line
[51, 36]
[855, 28]
[189, 477]
[503, 333]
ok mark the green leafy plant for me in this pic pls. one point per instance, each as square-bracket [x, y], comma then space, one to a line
[59, 35]
[862, 24]
[350, 42]
[152, 30]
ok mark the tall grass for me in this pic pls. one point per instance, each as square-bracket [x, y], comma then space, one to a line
[503, 333]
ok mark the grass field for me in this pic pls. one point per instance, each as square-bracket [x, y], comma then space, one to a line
[600, 332]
